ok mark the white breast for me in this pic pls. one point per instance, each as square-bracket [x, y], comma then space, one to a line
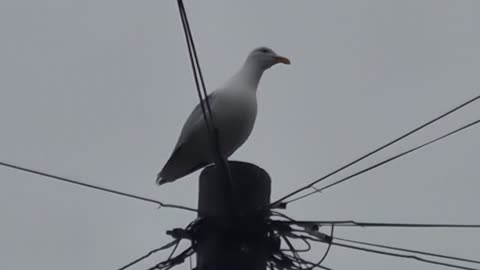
[235, 116]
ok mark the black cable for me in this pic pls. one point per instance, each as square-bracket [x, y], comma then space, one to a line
[204, 103]
[276, 213]
[305, 238]
[296, 256]
[220, 161]
[295, 222]
[408, 250]
[174, 249]
[180, 258]
[351, 223]
[195, 57]
[291, 221]
[277, 202]
[301, 261]
[148, 255]
[403, 256]
[385, 161]
[309, 236]
[328, 248]
[67, 180]
[307, 249]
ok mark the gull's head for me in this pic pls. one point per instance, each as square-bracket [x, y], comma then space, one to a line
[265, 58]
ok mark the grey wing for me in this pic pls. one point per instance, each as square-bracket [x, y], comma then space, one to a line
[195, 119]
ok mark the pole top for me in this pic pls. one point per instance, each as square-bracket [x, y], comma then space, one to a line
[250, 189]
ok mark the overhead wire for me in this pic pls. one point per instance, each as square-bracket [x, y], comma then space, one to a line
[292, 249]
[287, 232]
[180, 258]
[310, 185]
[320, 237]
[408, 250]
[193, 57]
[307, 249]
[402, 256]
[220, 160]
[173, 250]
[179, 235]
[317, 190]
[91, 186]
[196, 70]
[360, 224]
[309, 232]
[328, 247]
[148, 255]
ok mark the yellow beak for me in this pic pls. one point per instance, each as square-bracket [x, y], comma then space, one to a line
[283, 60]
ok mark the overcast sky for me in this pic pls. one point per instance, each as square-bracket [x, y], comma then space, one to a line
[98, 90]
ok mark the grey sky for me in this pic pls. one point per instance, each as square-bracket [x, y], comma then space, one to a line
[98, 90]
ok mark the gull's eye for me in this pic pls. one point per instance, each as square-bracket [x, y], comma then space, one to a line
[264, 50]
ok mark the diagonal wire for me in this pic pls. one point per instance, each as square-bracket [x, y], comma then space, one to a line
[220, 161]
[402, 256]
[149, 254]
[408, 250]
[202, 96]
[75, 182]
[279, 201]
[180, 258]
[387, 161]
[193, 51]
[173, 251]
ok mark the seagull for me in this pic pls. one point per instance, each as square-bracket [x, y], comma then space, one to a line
[234, 110]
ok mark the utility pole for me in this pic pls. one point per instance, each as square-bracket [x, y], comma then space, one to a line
[233, 241]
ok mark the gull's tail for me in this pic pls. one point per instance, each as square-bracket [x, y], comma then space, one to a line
[162, 180]
[181, 163]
